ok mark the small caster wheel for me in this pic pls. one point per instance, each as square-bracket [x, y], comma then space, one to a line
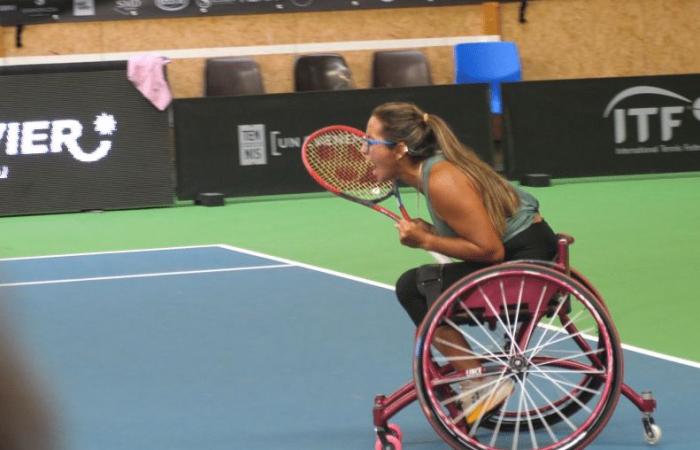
[392, 443]
[395, 430]
[652, 434]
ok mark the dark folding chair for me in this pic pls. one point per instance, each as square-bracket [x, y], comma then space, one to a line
[400, 68]
[233, 76]
[326, 72]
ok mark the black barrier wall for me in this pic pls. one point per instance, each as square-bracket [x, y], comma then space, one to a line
[80, 137]
[45, 11]
[606, 126]
[251, 145]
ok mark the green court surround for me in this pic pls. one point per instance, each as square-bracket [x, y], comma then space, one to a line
[637, 239]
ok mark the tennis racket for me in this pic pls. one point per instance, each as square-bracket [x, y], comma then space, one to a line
[333, 158]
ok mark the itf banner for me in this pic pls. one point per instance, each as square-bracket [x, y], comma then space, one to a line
[605, 126]
[14, 12]
[80, 137]
[251, 145]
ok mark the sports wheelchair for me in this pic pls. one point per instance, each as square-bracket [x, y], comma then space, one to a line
[543, 326]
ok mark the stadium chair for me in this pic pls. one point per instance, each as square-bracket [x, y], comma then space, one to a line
[488, 62]
[233, 76]
[324, 72]
[400, 68]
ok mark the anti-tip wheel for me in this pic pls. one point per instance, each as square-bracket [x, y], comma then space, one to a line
[655, 435]
[393, 443]
[395, 430]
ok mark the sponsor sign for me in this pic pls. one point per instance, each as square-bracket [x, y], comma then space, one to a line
[605, 126]
[251, 145]
[13, 12]
[79, 137]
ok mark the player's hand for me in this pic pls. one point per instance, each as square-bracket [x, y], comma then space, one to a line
[427, 226]
[413, 233]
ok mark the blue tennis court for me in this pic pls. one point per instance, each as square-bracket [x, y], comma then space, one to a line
[220, 348]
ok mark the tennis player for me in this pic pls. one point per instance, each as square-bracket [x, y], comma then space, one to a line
[478, 218]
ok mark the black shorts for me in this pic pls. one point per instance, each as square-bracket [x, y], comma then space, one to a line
[538, 241]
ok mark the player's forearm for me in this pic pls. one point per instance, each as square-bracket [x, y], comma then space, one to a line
[463, 249]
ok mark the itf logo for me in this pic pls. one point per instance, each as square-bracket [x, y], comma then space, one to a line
[252, 149]
[668, 117]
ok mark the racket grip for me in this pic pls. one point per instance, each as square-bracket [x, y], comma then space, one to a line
[440, 258]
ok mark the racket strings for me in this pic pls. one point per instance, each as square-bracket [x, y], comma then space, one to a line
[336, 157]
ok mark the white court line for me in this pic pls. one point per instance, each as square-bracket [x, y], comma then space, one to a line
[306, 266]
[144, 275]
[289, 263]
[256, 50]
[110, 252]
[628, 347]
[636, 349]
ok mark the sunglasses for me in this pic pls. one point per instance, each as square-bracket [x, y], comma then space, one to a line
[369, 141]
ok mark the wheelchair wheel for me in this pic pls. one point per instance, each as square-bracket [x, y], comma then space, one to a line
[534, 327]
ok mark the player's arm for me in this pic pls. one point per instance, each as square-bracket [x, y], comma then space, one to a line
[455, 200]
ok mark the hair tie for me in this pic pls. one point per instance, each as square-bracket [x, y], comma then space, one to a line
[425, 117]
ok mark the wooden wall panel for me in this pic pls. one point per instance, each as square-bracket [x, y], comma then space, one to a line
[601, 38]
[54, 39]
[186, 75]
[672, 36]
[562, 39]
[230, 31]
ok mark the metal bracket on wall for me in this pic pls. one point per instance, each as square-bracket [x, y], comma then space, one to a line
[18, 35]
[523, 8]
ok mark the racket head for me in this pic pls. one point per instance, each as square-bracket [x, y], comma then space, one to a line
[333, 157]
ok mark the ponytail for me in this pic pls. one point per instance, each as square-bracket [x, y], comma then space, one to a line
[427, 134]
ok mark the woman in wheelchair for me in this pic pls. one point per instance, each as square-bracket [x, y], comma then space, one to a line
[515, 349]
[478, 219]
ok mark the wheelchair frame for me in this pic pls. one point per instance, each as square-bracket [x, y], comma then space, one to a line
[443, 411]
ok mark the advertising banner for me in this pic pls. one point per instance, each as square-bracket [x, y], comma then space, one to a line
[251, 145]
[80, 137]
[14, 12]
[604, 126]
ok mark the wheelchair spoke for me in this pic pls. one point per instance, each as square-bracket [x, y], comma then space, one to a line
[549, 324]
[568, 358]
[533, 439]
[443, 359]
[561, 330]
[566, 383]
[536, 350]
[497, 429]
[481, 327]
[523, 386]
[468, 392]
[491, 356]
[498, 316]
[467, 351]
[590, 372]
[491, 393]
[516, 434]
[537, 314]
[511, 330]
[517, 309]
[561, 352]
[453, 378]
[556, 384]
[556, 409]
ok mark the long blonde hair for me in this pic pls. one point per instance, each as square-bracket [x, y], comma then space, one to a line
[426, 134]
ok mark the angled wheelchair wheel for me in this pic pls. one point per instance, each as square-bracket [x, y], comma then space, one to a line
[532, 328]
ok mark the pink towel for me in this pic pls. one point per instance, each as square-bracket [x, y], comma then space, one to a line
[146, 73]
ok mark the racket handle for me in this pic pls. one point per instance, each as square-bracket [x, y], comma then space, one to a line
[440, 258]
[404, 213]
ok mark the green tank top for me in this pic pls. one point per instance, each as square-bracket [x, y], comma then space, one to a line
[522, 219]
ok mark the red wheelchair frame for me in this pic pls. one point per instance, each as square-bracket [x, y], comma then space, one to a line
[519, 295]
